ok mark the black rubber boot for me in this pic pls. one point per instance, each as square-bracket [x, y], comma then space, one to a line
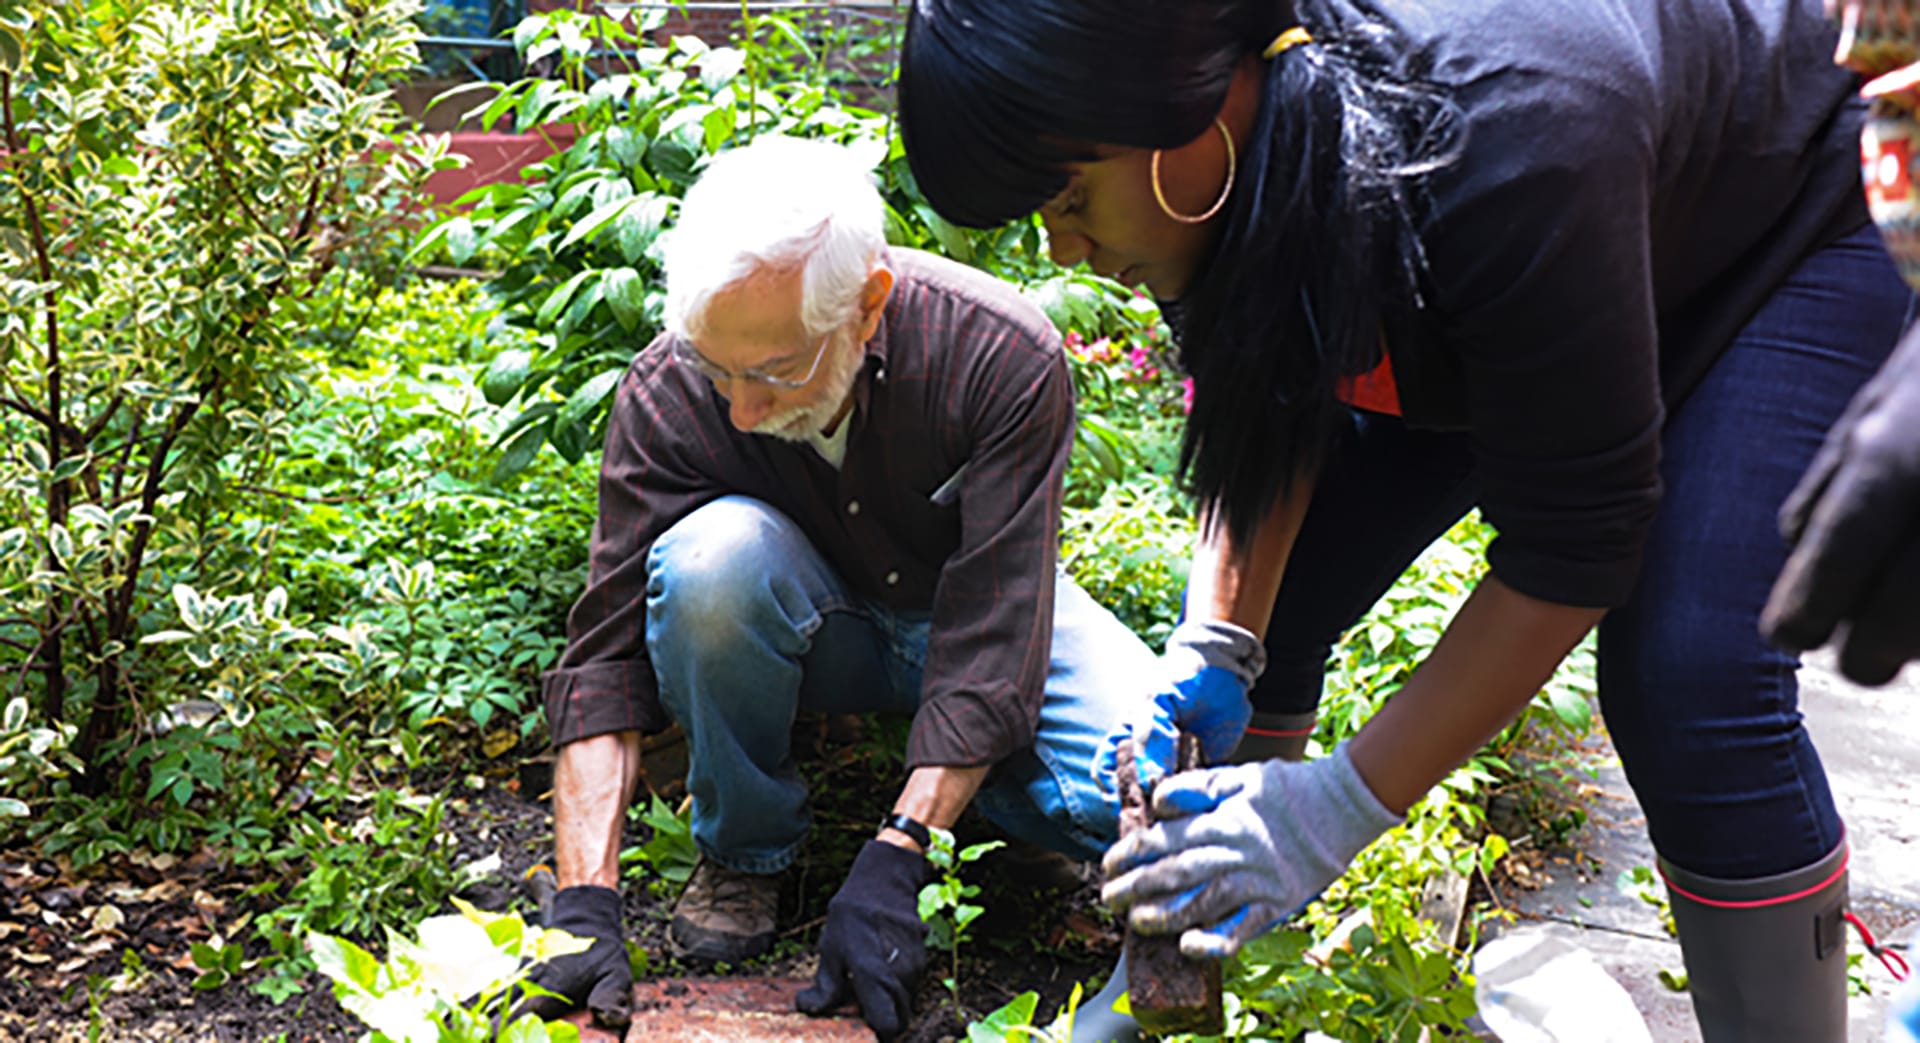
[1271, 736]
[1766, 958]
[1097, 1022]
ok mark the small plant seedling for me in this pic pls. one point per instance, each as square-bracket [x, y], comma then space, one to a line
[944, 905]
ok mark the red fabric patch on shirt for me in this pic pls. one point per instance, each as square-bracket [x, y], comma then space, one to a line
[1374, 391]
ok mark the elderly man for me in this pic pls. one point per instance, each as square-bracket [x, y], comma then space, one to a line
[833, 484]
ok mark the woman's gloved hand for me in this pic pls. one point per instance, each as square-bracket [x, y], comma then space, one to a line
[1207, 669]
[1854, 523]
[1238, 849]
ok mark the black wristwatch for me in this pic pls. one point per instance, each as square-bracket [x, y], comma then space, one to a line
[915, 831]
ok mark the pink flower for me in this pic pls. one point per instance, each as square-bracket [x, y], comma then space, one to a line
[1186, 395]
[1138, 356]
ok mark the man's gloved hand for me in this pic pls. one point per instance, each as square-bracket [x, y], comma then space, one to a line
[1238, 849]
[1854, 521]
[599, 979]
[1207, 669]
[874, 945]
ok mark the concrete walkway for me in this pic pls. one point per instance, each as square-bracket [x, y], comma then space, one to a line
[1869, 740]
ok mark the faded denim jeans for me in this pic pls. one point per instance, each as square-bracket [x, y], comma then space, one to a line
[747, 624]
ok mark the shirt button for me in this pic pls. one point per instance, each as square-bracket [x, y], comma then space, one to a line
[853, 506]
[893, 579]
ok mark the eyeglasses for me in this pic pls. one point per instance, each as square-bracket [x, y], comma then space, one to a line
[688, 354]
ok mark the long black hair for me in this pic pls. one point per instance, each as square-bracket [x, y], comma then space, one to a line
[1318, 257]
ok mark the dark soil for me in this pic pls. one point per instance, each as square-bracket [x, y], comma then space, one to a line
[61, 957]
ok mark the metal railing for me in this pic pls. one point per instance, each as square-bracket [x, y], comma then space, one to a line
[493, 58]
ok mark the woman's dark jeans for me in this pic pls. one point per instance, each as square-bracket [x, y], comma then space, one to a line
[1704, 713]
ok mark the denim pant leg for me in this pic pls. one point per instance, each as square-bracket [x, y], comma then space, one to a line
[1704, 713]
[1048, 794]
[1385, 493]
[745, 620]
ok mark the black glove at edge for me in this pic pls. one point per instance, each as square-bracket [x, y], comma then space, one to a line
[1854, 520]
[599, 979]
[874, 945]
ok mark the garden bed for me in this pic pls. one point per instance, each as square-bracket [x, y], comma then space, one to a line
[73, 958]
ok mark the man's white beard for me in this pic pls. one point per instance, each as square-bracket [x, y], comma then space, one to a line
[796, 424]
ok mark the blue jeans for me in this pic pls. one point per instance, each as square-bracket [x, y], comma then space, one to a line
[1703, 712]
[747, 624]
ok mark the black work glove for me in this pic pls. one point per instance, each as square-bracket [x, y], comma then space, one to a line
[1854, 521]
[874, 945]
[599, 979]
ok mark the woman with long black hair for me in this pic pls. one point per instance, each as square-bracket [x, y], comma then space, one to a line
[1599, 267]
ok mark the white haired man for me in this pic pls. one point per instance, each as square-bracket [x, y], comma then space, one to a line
[834, 484]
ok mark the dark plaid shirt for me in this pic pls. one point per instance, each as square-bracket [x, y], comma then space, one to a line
[946, 505]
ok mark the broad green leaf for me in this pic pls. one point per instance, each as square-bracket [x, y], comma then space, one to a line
[998, 1025]
[717, 127]
[462, 239]
[639, 223]
[1571, 708]
[626, 295]
[13, 49]
[556, 301]
[950, 236]
[193, 610]
[505, 375]
[520, 452]
[588, 396]
[590, 225]
[719, 66]
[60, 543]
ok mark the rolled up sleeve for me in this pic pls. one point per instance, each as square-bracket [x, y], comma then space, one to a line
[992, 624]
[1548, 284]
[605, 681]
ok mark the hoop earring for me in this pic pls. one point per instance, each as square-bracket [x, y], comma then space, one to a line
[1225, 190]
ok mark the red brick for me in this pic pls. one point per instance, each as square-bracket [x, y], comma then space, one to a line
[737, 1010]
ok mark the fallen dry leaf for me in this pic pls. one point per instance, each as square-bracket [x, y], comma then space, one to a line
[499, 742]
[96, 946]
[106, 918]
[164, 891]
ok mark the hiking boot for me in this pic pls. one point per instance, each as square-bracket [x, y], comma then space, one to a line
[723, 915]
[1043, 869]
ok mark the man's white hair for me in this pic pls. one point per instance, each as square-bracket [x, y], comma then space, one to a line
[776, 204]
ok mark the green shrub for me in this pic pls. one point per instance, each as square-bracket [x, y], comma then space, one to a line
[176, 175]
[577, 241]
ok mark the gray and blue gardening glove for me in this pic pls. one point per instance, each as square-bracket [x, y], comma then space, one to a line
[1207, 669]
[1236, 850]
